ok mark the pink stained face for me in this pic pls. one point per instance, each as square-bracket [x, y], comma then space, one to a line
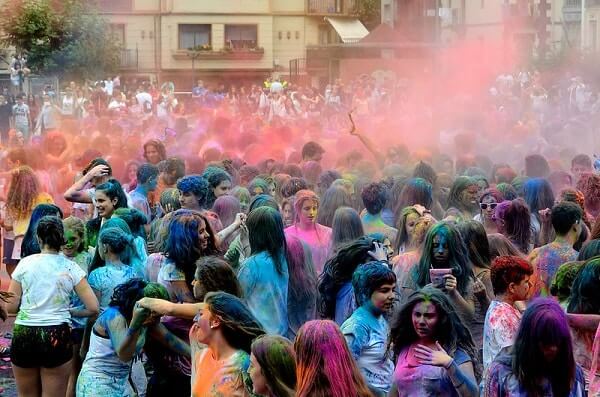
[308, 212]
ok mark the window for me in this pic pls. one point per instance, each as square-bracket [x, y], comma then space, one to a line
[113, 5]
[241, 36]
[193, 36]
[117, 32]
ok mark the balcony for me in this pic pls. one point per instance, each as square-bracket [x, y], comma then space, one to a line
[572, 11]
[331, 7]
[128, 59]
[113, 6]
[224, 54]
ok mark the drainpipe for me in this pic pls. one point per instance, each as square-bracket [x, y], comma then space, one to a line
[582, 27]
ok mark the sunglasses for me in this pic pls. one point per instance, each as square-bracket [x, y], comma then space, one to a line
[484, 206]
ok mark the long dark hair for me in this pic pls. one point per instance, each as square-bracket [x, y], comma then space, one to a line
[544, 323]
[30, 244]
[334, 198]
[346, 227]
[475, 238]
[415, 191]
[585, 294]
[338, 271]
[112, 188]
[302, 290]
[458, 259]
[238, 325]
[183, 241]
[517, 223]
[450, 330]
[51, 232]
[217, 275]
[127, 294]
[265, 230]
[538, 195]
[277, 359]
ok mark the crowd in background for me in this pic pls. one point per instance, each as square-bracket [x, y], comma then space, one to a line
[280, 240]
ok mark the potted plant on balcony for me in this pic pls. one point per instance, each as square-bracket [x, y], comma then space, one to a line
[200, 47]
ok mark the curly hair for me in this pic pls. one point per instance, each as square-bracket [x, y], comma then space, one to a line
[338, 270]
[126, 295]
[374, 196]
[450, 330]
[196, 185]
[508, 269]
[23, 192]
[183, 241]
[563, 281]
[292, 186]
[77, 226]
[368, 277]
[214, 176]
[159, 146]
[589, 184]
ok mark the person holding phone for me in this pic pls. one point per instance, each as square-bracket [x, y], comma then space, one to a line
[444, 264]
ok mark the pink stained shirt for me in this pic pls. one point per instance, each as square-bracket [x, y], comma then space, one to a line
[318, 240]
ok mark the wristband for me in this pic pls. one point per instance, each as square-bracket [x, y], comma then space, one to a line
[449, 364]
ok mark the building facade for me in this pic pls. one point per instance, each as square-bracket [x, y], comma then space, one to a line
[186, 40]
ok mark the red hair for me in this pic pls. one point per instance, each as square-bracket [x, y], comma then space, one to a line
[508, 269]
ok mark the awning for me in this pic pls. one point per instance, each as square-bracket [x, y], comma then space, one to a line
[350, 30]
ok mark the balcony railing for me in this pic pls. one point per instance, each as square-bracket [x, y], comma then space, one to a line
[129, 59]
[331, 7]
[572, 11]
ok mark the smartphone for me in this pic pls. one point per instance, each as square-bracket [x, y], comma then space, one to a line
[437, 276]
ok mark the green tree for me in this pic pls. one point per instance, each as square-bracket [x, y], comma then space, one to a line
[65, 38]
[369, 12]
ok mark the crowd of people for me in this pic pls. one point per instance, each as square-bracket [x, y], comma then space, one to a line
[273, 241]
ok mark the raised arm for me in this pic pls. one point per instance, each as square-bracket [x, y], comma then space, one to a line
[366, 142]
[76, 192]
[166, 308]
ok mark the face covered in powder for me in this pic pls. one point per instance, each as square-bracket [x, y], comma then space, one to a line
[469, 196]
[308, 212]
[382, 299]
[440, 251]
[425, 319]
[72, 243]
[204, 326]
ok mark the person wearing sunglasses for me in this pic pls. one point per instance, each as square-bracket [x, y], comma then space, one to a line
[487, 205]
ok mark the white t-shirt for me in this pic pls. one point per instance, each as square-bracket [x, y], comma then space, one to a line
[144, 99]
[21, 113]
[499, 330]
[47, 281]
